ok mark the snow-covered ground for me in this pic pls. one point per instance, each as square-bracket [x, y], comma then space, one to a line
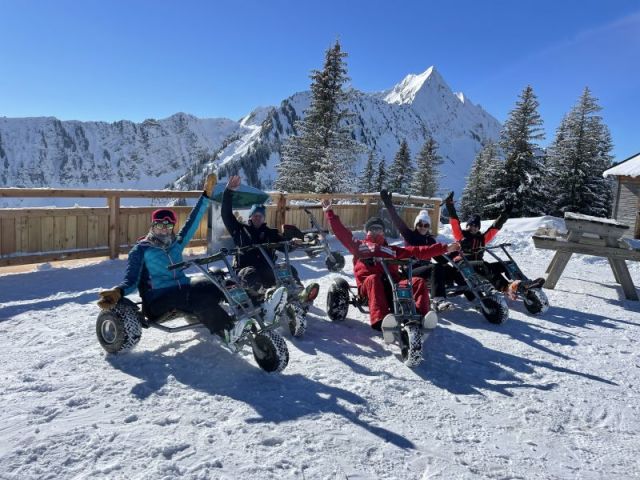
[544, 397]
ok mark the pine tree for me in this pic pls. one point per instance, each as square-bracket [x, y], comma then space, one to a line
[381, 176]
[579, 154]
[400, 171]
[320, 157]
[480, 183]
[425, 182]
[366, 182]
[520, 179]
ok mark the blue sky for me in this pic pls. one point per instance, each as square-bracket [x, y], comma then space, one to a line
[137, 59]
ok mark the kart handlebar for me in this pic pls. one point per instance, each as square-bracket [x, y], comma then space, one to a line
[200, 261]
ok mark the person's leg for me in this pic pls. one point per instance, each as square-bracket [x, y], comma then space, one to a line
[204, 301]
[156, 303]
[494, 273]
[373, 289]
[420, 294]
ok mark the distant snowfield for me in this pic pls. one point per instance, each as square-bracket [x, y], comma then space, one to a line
[544, 397]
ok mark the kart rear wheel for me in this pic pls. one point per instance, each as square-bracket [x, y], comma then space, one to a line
[336, 263]
[338, 299]
[270, 351]
[411, 345]
[497, 311]
[119, 329]
[536, 301]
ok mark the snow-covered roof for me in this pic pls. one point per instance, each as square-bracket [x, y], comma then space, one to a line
[629, 167]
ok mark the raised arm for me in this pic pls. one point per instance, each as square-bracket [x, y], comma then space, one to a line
[495, 227]
[231, 223]
[402, 227]
[342, 233]
[453, 217]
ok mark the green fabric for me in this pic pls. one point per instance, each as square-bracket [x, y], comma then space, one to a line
[243, 197]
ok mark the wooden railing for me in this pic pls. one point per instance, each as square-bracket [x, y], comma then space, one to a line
[34, 235]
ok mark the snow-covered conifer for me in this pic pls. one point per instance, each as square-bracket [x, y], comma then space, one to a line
[400, 171]
[426, 179]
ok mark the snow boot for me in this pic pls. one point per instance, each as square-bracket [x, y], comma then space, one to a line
[430, 320]
[309, 294]
[233, 335]
[390, 328]
[441, 304]
[274, 304]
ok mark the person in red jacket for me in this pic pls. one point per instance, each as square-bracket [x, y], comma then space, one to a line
[473, 240]
[370, 276]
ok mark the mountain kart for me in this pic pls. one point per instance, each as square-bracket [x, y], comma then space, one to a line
[316, 242]
[405, 326]
[120, 328]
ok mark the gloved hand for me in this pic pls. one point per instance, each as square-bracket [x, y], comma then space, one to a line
[326, 205]
[508, 205]
[109, 298]
[449, 198]
[385, 195]
[209, 183]
[234, 182]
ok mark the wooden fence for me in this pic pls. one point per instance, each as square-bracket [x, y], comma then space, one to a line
[34, 235]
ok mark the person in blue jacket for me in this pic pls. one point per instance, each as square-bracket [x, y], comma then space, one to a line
[164, 290]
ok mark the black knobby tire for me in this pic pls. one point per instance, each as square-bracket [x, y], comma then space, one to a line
[411, 345]
[119, 329]
[270, 351]
[336, 264]
[297, 322]
[338, 300]
[536, 301]
[498, 311]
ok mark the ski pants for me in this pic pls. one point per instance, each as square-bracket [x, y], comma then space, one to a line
[373, 289]
[494, 271]
[439, 276]
[200, 298]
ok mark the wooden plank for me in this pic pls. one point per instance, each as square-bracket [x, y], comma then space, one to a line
[553, 260]
[82, 231]
[557, 269]
[22, 234]
[551, 243]
[8, 235]
[34, 227]
[114, 226]
[71, 232]
[46, 234]
[614, 269]
[59, 232]
[42, 212]
[88, 193]
[626, 281]
[132, 229]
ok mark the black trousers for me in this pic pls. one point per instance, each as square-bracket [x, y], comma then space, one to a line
[439, 276]
[201, 298]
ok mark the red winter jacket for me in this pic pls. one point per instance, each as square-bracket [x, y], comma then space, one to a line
[364, 249]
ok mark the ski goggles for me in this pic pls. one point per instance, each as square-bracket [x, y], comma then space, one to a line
[164, 224]
[375, 229]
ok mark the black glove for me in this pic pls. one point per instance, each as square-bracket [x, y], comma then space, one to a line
[508, 206]
[449, 198]
[385, 196]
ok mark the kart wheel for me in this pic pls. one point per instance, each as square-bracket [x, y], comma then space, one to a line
[336, 264]
[296, 321]
[411, 345]
[536, 301]
[270, 351]
[497, 310]
[338, 299]
[119, 329]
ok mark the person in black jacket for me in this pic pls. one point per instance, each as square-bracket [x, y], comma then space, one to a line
[439, 273]
[251, 265]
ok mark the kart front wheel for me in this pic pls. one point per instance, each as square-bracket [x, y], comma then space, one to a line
[536, 301]
[411, 345]
[119, 329]
[270, 351]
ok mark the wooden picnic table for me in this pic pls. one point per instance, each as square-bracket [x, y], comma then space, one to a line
[600, 237]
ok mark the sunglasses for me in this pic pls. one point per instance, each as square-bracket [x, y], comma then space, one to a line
[376, 229]
[164, 224]
[423, 225]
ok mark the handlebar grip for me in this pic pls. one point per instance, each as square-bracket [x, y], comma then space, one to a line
[176, 266]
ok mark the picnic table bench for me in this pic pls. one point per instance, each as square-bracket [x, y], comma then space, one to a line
[600, 237]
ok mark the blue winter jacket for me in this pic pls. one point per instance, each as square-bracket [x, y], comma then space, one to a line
[147, 265]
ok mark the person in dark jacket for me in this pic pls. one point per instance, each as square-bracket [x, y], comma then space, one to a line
[370, 276]
[251, 265]
[439, 273]
[164, 290]
[473, 240]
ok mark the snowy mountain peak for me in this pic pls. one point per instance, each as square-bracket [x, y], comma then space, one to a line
[413, 85]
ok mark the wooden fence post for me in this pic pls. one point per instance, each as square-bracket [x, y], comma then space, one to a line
[114, 225]
[281, 211]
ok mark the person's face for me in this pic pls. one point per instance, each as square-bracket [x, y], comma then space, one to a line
[257, 219]
[376, 231]
[423, 228]
[164, 227]
[474, 228]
